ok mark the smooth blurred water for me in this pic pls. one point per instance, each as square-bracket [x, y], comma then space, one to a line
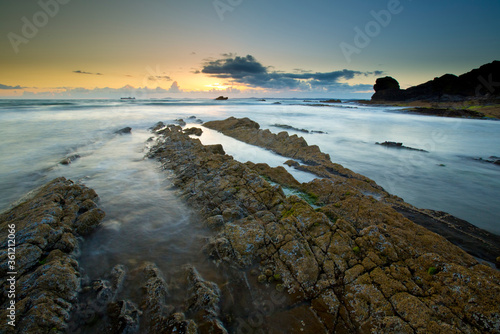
[36, 134]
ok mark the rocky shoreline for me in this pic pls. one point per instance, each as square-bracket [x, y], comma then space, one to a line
[48, 228]
[477, 242]
[346, 261]
[337, 254]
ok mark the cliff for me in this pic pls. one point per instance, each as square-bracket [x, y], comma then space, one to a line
[483, 82]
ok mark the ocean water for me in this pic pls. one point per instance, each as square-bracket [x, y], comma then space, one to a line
[147, 221]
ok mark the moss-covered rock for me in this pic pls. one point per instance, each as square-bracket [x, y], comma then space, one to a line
[48, 278]
[355, 264]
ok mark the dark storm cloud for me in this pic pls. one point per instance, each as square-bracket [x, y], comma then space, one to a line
[248, 71]
[237, 67]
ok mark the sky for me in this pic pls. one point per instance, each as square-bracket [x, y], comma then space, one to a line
[237, 48]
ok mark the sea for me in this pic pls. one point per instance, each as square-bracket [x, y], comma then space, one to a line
[146, 219]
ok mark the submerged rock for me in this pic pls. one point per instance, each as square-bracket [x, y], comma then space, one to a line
[149, 307]
[492, 160]
[180, 121]
[157, 126]
[69, 159]
[203, 302]
[289, 127]
[124, 317]
[331, 101]
[398, 145]
[124, 131]
[42, 233]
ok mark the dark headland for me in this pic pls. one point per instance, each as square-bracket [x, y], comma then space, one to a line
[475, 94]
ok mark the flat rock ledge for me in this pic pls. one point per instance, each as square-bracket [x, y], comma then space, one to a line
[338, 254]
[477, 242]
[48, 226]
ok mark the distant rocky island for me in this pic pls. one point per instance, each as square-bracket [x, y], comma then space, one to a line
[473, 94]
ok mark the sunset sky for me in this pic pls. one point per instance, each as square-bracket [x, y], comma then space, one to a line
[240, 48]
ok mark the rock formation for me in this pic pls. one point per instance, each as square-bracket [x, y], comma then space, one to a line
[477, 242]
[387, 89]
[47, 228]
[339, 257]
[483, 82]
[194, 131]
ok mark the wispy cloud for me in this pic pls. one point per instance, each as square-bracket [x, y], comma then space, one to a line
[159, 78]
[10, 87]
[84, 72]
[105, 92]
[250, 72]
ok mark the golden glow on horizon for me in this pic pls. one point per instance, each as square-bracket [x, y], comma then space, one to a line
[217, 86]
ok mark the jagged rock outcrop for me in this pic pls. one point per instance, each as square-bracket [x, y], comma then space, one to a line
[483, 82]
[48, 226]
[350, 263]
[148, 306]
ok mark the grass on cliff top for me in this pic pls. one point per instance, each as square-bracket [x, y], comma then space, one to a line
[489, 110]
